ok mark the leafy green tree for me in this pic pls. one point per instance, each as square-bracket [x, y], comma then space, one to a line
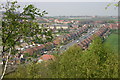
[111, 21]
[32, 70]
[76, 63]
[20, 25]
[96, 62]
[114, 4]
[66, 65]
[97, 48]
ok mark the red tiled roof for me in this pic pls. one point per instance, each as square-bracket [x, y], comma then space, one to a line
[113, 26]
[47, 57]
[56, 41]
[86, 41]
[35, 48]
[83, 43]
[49, 43]
[97, 33]
[29, 50]
[69, 35]
[43, 45]
[90, 39]
[40, 47]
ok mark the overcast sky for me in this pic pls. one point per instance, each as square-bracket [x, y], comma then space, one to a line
[73, 8]
[62, 0]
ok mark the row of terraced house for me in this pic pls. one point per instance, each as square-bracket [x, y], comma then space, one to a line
[73, 35]
[61, 39]
[102, 32]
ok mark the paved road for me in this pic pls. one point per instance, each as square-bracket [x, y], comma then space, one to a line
[89, 33]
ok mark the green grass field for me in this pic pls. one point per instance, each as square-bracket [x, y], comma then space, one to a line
[112, 41]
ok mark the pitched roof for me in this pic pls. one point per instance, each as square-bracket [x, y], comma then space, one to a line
[81, 45]
[47, 57]
[29, 50]
[86, 41]
[57, 41]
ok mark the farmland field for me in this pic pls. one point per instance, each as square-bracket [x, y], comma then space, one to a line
[112, 41]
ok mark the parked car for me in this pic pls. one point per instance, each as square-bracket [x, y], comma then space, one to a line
[61, 46]
[77, 41]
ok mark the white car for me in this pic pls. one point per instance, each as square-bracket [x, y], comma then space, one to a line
[26, 46]
[22, 48]
[39, 61]
[38, 44]
[31, 45]
[45, 51]
[77, 41]
[61, 46]
[21, 40]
